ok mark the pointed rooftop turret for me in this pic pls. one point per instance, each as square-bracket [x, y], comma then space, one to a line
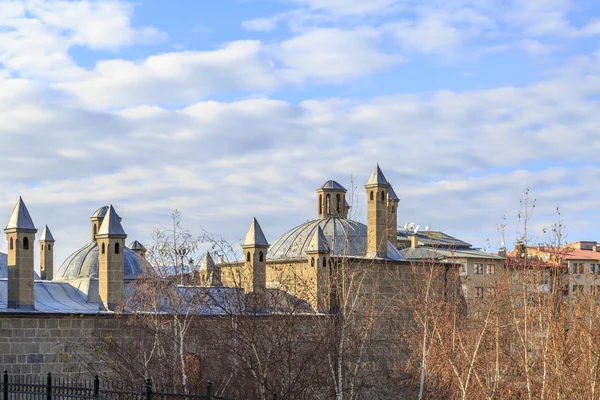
[318, 242]
[111, 224]
[207, 263]
[20, 218]
[46, 235]
[377, 178]
[255, 235]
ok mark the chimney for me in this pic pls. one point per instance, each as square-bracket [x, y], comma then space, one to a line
[46, 254]
[414, 241]
[502, 252]
[111, 263]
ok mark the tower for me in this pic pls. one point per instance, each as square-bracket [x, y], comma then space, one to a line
[138, 248]
[209, 274]
[111, 263]
[46, 254]
[318, 254]
[332, 200]
[377, 223]
[254, 274]
[392, 211]
[97, 218]
[20, 234]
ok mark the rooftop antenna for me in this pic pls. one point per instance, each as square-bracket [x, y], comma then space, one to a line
[416, 229]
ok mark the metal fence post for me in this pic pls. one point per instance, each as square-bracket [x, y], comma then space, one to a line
[49, 387]
[5, 384]
[96, 386]
[148, 389]
[209, 390]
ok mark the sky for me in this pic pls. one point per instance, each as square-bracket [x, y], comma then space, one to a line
[228, 110]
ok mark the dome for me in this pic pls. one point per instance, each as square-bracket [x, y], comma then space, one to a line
[345, 238]
[331, 184]
[83, 263]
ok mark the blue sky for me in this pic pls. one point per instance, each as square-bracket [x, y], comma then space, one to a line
[232, 109]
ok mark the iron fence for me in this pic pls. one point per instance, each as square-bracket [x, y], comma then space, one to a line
[52, 388]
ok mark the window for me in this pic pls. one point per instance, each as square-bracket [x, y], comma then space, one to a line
[103, 248]
[465, 290]
[478, 268]
[578, 268]
[12, 246]
[338, 201]
[42, 247]
[248, 256]
[592, 268]
[324, 262]
[371, 196]
[382, 195]
[463, 270]
[565, 290]
[25, 243]
[260, 256]
[49, 247]
[490, 269]
[491, 292]
[479, 292]
[117, 248]
[328, 203]
[95, 230]
[312, 261]
[320, 204]
[577, 290]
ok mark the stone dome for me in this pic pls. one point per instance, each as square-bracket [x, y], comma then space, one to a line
[83, 263]
[345, 237]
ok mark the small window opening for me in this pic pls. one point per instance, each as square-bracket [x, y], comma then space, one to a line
[260, 256]
[25, 243]
[248, 256]
[371, 197]
[338, 203]
[103, 248]
[324, 262]
[117, 248]
[49, 247]
[95, 230]
[312, 261]
[328, 203]
[42, 247]
[320, 204]
[12, 245]
[382, 195]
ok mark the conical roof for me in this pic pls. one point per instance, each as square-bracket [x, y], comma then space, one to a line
[20, 218]
[46, 235]
[207, 263]
[135, 245]
[332, 185]
[101, 213]
[392, 195]
[318, 242]
[111, 224]
[377, 178]
[255, 235]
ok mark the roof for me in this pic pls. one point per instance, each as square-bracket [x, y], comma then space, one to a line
[377, 178]
[318, 243]
[46, 235]
[83, 263]
[332, 185]
[111, 225]
[207, 263]
[434, 239]
[346, 238]
[434, 253]
[255, 235]
[392, 195]
[20, 218]
[101, 213]
[135, 245]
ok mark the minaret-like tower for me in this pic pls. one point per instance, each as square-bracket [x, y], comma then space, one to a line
[111, 263]
[377, 222]
[209, 274]
[332, 200]
[46, 254]
[318, 254]
[392, 211]
[255, 246]
[20, 234]
[138, 248]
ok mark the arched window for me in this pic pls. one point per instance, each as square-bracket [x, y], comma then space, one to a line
[25, 243]
[12, 245]
[393, 210]
[324, 262]
[328, 204]
[320, 204]
[312, 261]
[95, 230]
[337, 203]
[103, 248]
[117, 249]
[248, 256]
[371, 197]
[260, 256]
[42, 247]
[382, 195]
[49, 247]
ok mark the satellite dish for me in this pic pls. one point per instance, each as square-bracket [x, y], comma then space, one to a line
[406, 226]
[410, 226]
[426, 227]
[547, 256]
[416, 229]
[502, 244]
